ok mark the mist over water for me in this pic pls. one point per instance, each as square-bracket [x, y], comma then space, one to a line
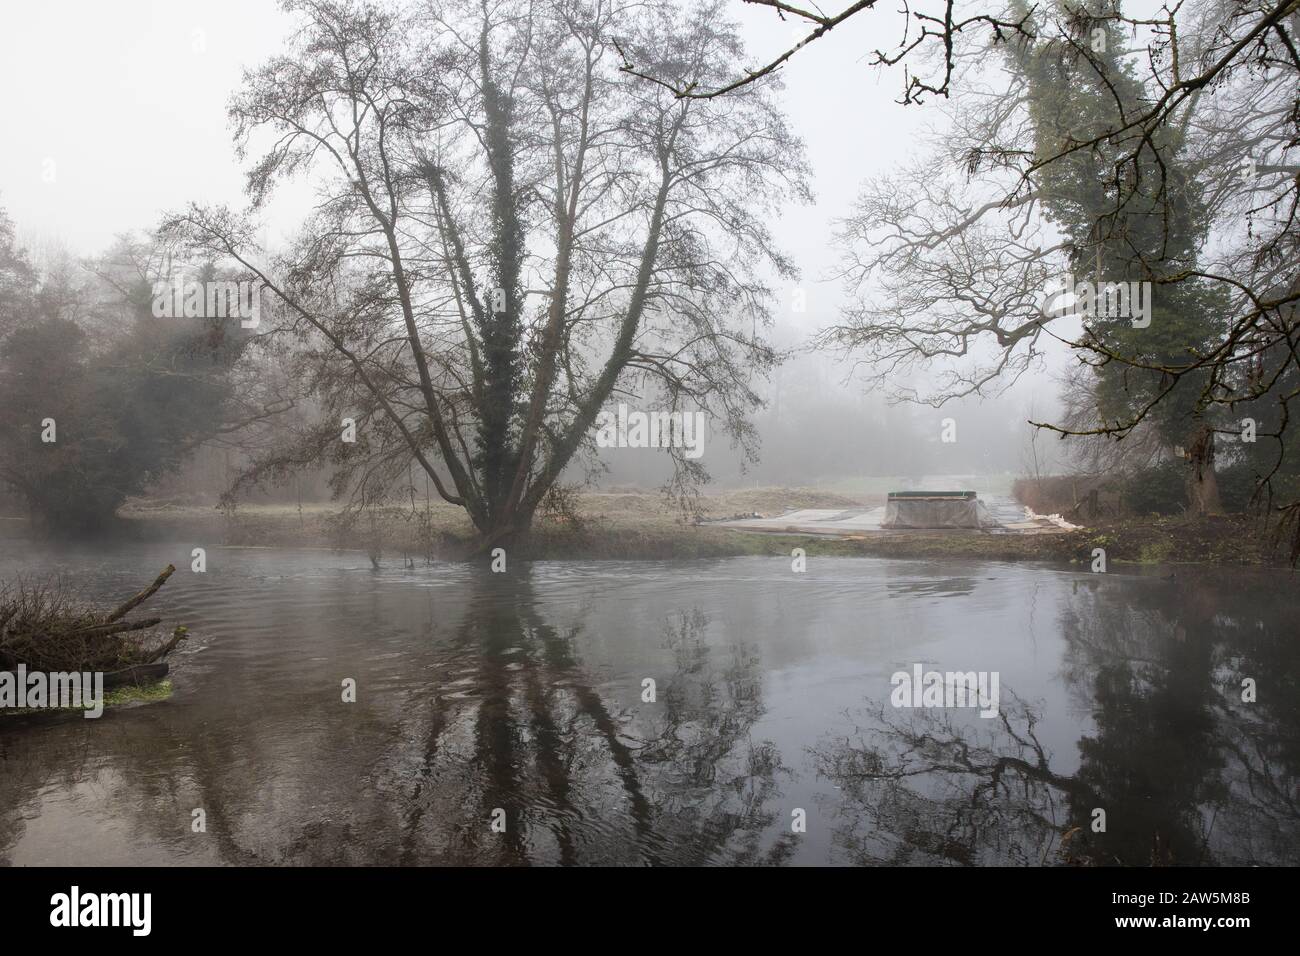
[524, 691]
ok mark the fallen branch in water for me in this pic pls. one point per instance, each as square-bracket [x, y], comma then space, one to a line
[143, 596]
[40, 627]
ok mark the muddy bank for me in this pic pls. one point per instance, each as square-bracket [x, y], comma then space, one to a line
[1233, 540]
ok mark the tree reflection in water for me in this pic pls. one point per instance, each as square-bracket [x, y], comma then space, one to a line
[508, 718]
[928, 787]
[580, 781]
[475, 698]
[1185, 771]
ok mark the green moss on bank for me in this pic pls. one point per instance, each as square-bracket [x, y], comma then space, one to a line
[150, 693]
[131, 694]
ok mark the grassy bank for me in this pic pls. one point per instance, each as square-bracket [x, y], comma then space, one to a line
[629, 524]
[635, 524]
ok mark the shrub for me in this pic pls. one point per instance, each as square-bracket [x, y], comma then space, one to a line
[1160, 490]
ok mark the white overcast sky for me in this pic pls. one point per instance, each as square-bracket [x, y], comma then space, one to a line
[124, 103]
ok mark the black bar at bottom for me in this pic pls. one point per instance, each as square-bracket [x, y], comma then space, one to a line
[329, 905]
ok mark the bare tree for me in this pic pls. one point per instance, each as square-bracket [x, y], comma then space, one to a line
[509, 235]
[926, 32]
[930, 36]
[1180, 172]
[1216, 87]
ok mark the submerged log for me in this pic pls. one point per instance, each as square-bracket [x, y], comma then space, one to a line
[178, 635]
[139, 674]
[105, 630]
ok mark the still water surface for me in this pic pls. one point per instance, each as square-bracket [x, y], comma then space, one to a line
[523, 692]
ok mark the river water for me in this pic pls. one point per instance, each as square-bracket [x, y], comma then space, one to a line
[505, 718]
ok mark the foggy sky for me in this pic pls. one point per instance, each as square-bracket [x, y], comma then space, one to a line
[123, 104]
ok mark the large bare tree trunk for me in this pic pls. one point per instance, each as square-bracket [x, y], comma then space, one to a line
[1202, 482]
[569, 175]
